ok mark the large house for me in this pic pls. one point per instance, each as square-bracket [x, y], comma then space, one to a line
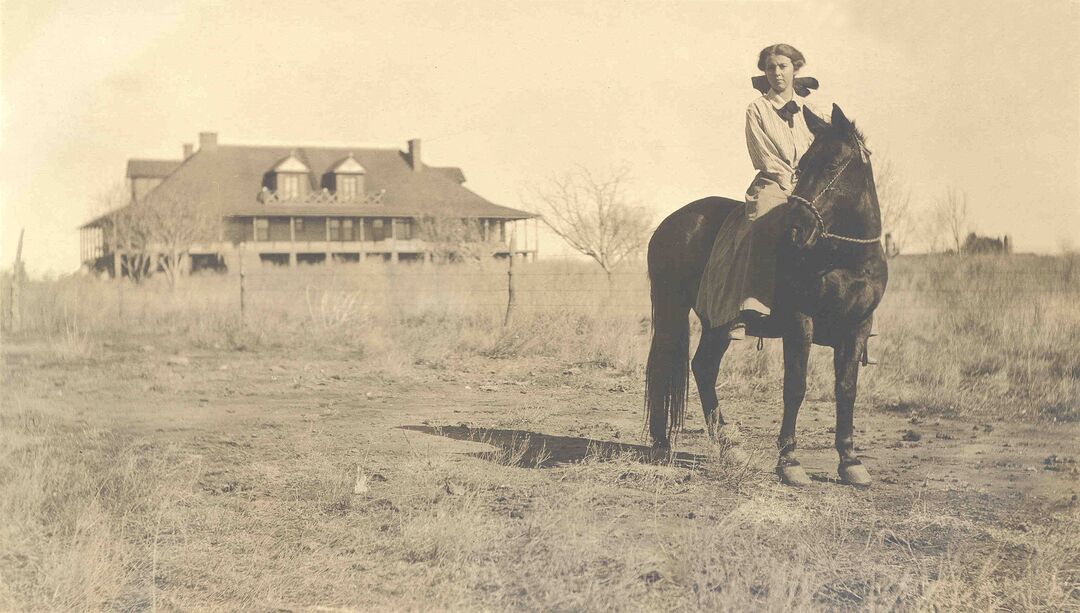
[308, 205]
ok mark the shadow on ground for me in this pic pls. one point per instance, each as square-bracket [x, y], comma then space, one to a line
[537, 450]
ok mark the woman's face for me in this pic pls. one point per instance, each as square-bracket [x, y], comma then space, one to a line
[780, 72]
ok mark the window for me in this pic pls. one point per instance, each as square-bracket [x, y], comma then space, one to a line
[298, 224]
[346, 188]
[335, 229]
[403, 229]
[288, 186]
[346, 230]
[262, 229]
[377, 232]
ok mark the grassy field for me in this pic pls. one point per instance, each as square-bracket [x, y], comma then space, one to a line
[373, 437]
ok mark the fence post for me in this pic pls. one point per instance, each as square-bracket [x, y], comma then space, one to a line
[510, 283]
[13, 312]
[241, 258]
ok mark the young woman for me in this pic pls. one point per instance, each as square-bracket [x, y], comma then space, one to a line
[739, 279]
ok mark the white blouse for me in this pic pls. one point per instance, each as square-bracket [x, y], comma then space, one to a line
[775, 147]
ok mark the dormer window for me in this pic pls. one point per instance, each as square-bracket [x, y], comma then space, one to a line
[349, 179]
[348, 187]
[291, 177]
[289, 186]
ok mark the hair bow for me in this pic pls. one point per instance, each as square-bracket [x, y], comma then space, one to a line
[803, 85]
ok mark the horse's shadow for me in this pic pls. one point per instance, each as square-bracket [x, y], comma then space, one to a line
[538, 450]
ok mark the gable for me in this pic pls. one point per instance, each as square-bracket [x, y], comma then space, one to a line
[231, 177]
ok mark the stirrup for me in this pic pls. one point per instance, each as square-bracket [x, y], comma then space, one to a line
[737, 332]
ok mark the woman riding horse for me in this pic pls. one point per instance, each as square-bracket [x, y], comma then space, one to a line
[806, 248]
[740, 278]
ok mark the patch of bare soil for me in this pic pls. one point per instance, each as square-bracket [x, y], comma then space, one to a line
[308, 480]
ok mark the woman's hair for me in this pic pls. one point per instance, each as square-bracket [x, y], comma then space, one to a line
[797, 59]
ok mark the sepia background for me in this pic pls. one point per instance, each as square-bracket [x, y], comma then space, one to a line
[468, 434]
[975, 96]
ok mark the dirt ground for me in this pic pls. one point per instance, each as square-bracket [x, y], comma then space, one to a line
[254, 438]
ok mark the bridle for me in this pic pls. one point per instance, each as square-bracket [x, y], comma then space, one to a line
[819, 227]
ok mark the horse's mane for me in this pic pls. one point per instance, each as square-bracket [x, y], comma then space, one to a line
[858, 133]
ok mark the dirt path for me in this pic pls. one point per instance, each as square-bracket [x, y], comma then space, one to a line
[982, 467]
[247, 416]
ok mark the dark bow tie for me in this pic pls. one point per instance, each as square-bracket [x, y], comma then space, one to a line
[787, 112]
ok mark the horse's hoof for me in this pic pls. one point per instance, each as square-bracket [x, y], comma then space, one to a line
[729, 440]
[793, 475]
[736, 455]
[729, 435]
[855, 474]
[660, 453]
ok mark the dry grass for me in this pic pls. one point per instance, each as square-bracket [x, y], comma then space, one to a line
[96, 521]
[959, 335]
[121, 494]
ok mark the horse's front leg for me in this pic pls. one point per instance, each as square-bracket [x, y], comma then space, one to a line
[846, 366]
[797, 341]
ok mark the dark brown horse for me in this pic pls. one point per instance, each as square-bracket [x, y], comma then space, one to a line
[831, 275]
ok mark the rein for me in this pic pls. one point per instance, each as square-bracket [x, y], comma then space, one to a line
[820, 227]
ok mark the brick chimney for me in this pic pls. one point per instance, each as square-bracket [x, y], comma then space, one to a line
[415, 160]
[207, 141]
[188, 150]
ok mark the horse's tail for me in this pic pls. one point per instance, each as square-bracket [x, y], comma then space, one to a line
[667, 373]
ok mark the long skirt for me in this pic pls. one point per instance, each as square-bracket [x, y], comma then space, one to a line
[741, 271]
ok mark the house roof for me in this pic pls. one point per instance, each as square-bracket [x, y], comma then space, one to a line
[139, 169]
[231, 177]
[291, 164]
[349, 166]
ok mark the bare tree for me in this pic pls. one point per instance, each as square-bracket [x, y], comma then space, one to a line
[126, 230]
[951, 216]
[452, 239]
[592, 214]
[176, 224]
[894, 198]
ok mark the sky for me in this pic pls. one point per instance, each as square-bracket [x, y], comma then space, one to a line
[983, 97]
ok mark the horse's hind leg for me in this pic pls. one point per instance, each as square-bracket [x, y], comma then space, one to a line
[846, 366]
[706, 365]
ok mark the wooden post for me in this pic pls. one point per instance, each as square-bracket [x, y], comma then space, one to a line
[13, 313]
[328, 255]
[510, 298]
[241, 284]
[120, 298]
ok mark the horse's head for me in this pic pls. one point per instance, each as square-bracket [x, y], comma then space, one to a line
[831, 178]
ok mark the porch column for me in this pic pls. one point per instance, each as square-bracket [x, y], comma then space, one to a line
[536, 239]
[393, 241]
[328, 254]
[292, 242]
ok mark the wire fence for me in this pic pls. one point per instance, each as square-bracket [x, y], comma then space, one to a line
[547, 288]
[530, 287]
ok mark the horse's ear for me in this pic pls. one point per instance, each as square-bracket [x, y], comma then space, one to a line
[816, 124]
[839, 120]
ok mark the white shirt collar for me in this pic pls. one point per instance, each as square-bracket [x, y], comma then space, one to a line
[778, 102]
